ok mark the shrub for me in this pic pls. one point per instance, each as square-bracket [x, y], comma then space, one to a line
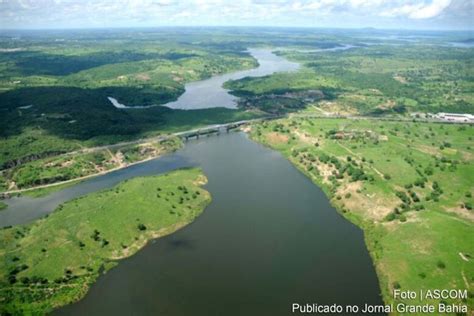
[25, 280]
[429, 171]
[141, 227]
[96, 235]
[420, 182]
[440, 264]
[12, 279]
[403, 196]
[390, 217]
[387, 177]
[419, 207]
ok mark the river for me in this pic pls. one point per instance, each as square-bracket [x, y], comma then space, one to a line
[269, 238]
[209, 93]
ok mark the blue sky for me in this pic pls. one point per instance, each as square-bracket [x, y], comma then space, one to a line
[405, 14]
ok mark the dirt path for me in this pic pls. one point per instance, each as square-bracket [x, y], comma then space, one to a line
[465, 280]
[124, 165]
[463, 257]
[355, 154]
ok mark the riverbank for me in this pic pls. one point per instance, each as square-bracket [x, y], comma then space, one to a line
[242, 246]
[415, 218]
[53, 261]
[102, 160]
[70, 168]
[51, 187]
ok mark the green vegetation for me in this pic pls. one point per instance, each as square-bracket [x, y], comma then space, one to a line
[48, 139]
[373, 80]
[54, 86]
[53, 93]
[2, 206]
[75, 166]
[282, 92]
[407, 184]
[397, 182]
[53, 261]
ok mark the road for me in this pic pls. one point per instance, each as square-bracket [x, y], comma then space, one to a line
[202, 130]
[195, 131]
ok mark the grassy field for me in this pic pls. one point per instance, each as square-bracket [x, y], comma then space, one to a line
[370, 80]
[53, 261]
[407, 184]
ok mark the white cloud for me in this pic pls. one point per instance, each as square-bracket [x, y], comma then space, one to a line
[431, 10]
[418, 11]
[228, 12]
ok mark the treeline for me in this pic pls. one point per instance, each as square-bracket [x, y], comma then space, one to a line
[28, 63]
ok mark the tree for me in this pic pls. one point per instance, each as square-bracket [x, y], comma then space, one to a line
[390, 217]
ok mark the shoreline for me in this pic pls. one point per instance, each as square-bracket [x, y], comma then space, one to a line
[374, 233]
[179, 134]
[101, 173]
[355, 220]
[73, 290]
[6, 194]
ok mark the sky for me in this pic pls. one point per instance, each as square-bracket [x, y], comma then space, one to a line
[386, 14]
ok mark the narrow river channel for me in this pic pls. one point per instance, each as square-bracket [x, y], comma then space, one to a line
[209, 93]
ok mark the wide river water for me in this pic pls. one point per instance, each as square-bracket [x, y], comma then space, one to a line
[268, 239]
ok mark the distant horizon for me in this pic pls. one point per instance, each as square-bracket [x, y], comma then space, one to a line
[423, 15]
[434, 30]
